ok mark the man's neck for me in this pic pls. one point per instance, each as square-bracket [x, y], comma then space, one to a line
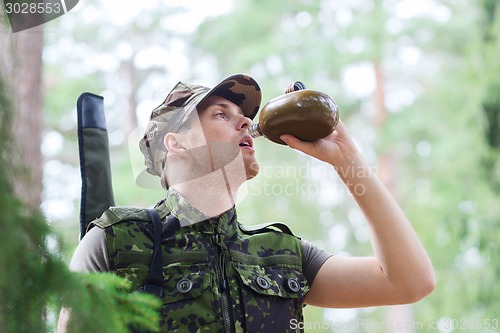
[210, 194]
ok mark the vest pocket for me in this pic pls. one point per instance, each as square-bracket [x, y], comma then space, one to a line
[184, 282]
[188, 303]
[271, 295]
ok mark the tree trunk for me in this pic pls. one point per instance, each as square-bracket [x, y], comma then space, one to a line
[22, 69]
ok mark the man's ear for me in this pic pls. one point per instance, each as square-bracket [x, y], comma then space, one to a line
[172, 142]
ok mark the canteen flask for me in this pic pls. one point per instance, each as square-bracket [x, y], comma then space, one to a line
[307, 114]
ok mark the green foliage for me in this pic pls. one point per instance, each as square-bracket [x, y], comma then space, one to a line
[102, 302]
[67, 92]
[491, 108]
[34, 279]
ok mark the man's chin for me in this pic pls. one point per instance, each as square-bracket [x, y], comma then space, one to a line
[252, 169]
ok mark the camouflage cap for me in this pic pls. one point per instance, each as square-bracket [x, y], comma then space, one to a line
[179, 105]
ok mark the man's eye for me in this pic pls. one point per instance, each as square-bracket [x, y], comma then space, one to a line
[221, 115]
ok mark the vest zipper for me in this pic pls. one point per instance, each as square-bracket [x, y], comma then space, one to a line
[223, 287]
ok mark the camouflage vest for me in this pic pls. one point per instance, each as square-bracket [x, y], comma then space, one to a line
[218, 275]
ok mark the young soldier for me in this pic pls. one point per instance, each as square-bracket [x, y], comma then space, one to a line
[220, 276]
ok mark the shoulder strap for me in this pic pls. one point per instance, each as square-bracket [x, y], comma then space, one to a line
[114, 215]
[154, 281]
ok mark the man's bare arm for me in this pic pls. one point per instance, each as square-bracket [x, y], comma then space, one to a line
[401, 271]
[90, 256]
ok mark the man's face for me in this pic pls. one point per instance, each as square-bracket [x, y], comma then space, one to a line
[222, 126]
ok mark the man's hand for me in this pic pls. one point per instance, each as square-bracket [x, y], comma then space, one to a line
[336, 149]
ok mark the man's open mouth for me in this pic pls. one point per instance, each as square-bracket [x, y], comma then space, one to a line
[246, 142]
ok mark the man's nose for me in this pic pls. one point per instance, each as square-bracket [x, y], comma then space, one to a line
[244, 123]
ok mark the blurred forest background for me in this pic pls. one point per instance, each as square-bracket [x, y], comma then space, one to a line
[417, 84]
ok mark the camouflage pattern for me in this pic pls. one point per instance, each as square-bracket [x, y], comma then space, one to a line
[180, 104]
[218, 275]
